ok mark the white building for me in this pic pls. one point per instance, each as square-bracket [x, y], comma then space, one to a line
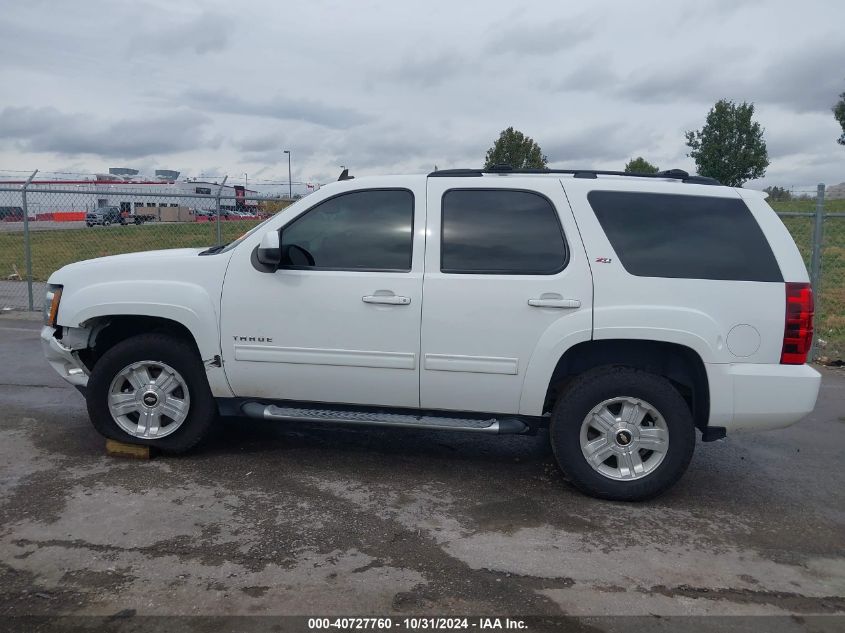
[835, 192]
[119, 188]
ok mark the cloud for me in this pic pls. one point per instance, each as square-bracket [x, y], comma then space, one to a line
[603, 142]
[279, 107]
[46, 129]
[430, 71]
[392, 87]
[806, 79]
[203, 34]
[801, 79]
[538, 39]
[260, 143]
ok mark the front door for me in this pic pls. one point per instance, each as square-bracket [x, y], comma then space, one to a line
[339, 322]
[507, 284]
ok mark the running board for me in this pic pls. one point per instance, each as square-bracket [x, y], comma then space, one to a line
[501, 426]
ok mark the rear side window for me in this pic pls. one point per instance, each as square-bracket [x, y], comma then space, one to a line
[500, 231]
[678, 236]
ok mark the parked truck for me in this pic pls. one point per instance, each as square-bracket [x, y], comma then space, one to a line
[106, 216]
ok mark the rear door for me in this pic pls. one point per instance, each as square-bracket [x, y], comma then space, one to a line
[505, 277]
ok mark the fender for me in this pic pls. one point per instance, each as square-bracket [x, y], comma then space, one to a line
[557, 340]
[186, 303]
[553, 344]
[700, 332]
[183, 302]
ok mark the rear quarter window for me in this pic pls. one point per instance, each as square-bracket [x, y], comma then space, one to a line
[681, 236]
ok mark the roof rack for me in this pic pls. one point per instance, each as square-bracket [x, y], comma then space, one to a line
[504, 170]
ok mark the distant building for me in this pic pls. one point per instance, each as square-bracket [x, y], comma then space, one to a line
[116, 189]
[835, 192]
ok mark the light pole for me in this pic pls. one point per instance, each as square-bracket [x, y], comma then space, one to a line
[246, 181]
[290, 184]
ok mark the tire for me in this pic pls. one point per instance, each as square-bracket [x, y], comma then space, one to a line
[607, 397]
[106, 222]
[176, 358]
[89, 224]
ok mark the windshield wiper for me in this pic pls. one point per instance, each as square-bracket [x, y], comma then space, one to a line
[215, 249]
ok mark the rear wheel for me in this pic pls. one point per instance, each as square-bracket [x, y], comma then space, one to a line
[106, 222]
[151, 389]
[623, 434]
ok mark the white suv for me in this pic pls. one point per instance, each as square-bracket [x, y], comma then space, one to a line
[622, 312]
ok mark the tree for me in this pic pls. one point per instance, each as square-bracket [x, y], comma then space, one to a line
[839, 114]
[640, 165]
[778, 194]
[730, 146]
[517, 150]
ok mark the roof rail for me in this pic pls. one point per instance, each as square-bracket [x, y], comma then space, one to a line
[504, 170]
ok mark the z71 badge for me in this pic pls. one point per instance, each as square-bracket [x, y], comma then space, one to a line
[603, 260]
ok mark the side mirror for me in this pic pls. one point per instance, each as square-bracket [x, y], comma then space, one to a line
[269, 252]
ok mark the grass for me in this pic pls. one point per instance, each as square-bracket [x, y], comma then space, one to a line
[53, 249]
[830, 206]
[830, 301]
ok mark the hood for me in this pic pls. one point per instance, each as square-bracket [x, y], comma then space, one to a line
[129, 265]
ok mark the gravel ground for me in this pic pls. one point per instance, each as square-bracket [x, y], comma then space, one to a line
[275, 519]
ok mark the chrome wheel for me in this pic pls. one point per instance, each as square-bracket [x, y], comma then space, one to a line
[624, 438]
[149, 399]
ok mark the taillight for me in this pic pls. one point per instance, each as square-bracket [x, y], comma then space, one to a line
[798, 329]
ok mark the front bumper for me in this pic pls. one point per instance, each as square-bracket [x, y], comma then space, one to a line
[63, 359]
[757, 397]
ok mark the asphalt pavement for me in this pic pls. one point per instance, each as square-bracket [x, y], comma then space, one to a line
[271, 518]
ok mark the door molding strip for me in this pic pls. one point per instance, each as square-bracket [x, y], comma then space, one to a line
[320, 356]
[472, 364]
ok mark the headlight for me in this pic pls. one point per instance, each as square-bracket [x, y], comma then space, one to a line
[51, 304]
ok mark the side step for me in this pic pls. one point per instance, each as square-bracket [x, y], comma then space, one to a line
[501, 426]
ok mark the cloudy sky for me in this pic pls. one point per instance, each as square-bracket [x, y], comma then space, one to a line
[222, 87]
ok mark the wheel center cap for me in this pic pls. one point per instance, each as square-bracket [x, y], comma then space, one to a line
[623, 437]
[150, 399]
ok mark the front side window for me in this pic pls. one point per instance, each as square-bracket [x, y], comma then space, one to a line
[684, 236]
[360, 230]
[500, 231]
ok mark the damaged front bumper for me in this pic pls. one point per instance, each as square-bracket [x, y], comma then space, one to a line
[63, 354]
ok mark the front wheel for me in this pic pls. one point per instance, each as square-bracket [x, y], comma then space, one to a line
[151, 389]
[623, 434]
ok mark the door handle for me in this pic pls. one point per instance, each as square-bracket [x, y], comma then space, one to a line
[555, 303]
[388, 299]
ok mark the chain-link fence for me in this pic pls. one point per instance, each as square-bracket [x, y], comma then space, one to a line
[45, 225]
[817, 225]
